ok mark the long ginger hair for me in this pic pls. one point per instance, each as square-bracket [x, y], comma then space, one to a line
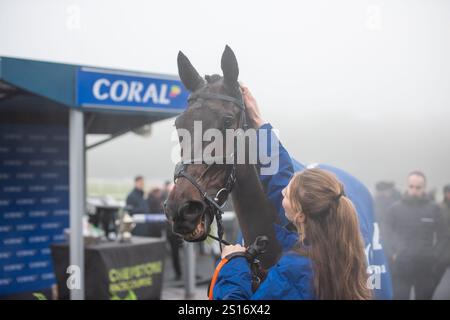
[331, 234]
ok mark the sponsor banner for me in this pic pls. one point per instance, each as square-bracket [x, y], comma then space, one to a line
[128, 91]
[34, 204]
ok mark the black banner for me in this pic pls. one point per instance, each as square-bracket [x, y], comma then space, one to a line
[116, 271]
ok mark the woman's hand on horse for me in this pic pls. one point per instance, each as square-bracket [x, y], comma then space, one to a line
[252, 107]
[232, 249]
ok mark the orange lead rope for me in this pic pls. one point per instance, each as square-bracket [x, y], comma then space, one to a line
[214, 278]
[252, 252]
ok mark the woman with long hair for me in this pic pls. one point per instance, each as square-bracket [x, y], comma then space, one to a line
[329, 234]
[323, 259]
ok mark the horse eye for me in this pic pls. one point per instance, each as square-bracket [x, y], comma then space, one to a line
[228, 122]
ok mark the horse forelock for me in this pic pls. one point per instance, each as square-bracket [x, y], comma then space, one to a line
[210, 79]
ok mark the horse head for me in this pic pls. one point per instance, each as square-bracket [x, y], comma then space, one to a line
[201, 187]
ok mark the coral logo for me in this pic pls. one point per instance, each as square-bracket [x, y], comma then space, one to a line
[174, 91]
[111, 89]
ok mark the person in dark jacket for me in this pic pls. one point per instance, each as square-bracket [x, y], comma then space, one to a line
[415, 235]
[155, 201]
[443, 252]
[385, 196]
[135, 199]
[155, 206]
[175, 240]
[445, 206]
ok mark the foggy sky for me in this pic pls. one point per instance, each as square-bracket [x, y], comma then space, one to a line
[362, 85]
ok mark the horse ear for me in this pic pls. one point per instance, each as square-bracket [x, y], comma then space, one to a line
[230, 67]
[188, 75]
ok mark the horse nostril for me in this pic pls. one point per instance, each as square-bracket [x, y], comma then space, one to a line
[191, 208]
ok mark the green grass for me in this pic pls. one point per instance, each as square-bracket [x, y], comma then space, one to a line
[118, 190]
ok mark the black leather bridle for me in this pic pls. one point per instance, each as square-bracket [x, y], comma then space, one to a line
[215, 207]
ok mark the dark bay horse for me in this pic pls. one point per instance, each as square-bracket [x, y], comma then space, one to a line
[200, 187]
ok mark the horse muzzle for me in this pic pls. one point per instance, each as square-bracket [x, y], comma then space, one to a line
[192, 221]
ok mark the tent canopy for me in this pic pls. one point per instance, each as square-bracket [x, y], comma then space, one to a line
[113, 101]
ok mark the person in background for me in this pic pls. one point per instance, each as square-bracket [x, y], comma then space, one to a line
[168, 185]
[445, 206]
[155, 206]
[175, 240]
[415, 235]
[432, 194]
[155, 200]
[385, 196]
[135, 199]
[443, 254]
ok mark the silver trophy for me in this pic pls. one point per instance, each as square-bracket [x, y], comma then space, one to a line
[126, 224]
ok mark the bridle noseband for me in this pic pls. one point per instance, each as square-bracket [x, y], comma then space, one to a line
[180, 168]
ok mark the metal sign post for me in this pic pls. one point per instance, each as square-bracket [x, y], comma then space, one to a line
[189, 270]
[77, 200]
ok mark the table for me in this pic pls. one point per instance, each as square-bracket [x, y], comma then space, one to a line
[116, 270]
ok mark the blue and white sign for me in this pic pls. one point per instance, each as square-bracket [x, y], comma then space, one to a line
[34, 203]
[128, 91]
